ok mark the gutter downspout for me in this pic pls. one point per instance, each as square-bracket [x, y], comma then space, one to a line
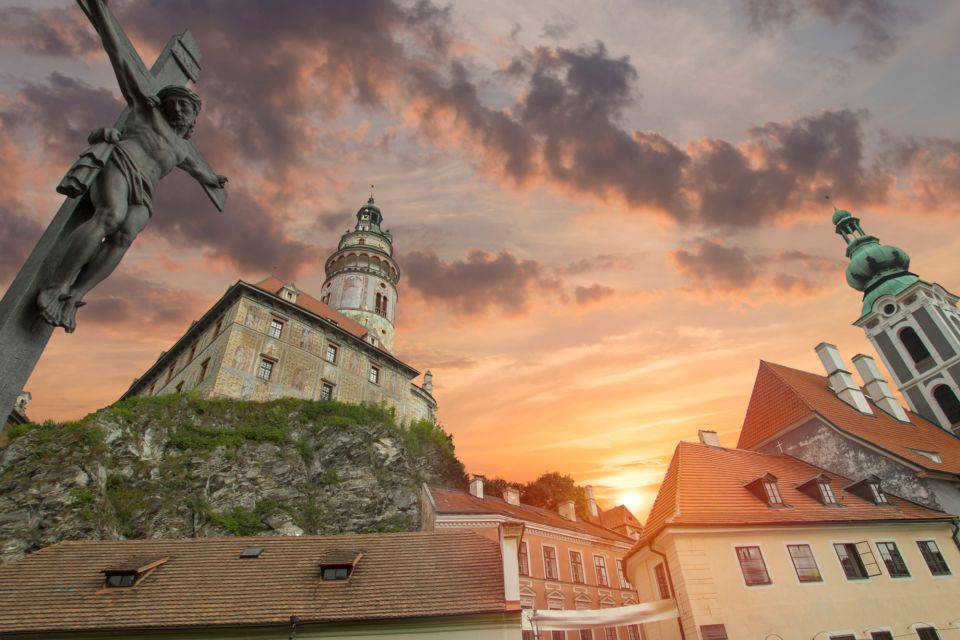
[956, 532]
[666, 566]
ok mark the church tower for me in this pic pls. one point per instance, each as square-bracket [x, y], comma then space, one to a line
[914, 325]
[362, 276]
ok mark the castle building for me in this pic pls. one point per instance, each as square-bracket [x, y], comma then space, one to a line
[913, 324]
[270, 339]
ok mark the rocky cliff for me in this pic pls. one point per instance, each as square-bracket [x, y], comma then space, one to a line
[182, 466]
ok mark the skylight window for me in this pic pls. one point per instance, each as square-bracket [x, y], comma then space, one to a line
[251, 552]
[932, 455]
[338, 564]
[128, 573]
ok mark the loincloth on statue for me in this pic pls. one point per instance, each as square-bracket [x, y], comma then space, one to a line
[85, 170]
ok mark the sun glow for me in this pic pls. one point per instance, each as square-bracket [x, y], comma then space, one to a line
[632, 500]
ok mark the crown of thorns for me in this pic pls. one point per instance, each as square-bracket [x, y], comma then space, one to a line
[174, 91]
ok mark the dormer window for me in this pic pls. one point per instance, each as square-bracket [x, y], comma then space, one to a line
[338, 564]
[766, 489]
[128, 573]
[821, 490]
[870, 490]
[877, 493]
[826, 492]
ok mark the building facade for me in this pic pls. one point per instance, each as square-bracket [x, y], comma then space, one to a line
[764, 546]
[563, 563]
[270, 339]
[914, 325]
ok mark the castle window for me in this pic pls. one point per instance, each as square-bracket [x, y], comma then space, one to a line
[265, 370]
[331, 353]
[216, 329]
[276, 328]
[374, 375]
[326, 392]
[153, 384]
[170, 371]
[915, 347]
[180, 387]
[600, 564]
[948, 402]
[203, 370]
[193, 351]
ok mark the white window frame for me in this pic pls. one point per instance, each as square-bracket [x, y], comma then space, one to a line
[786, 549]
[573, 573]
[374, 375]
[606, 570]
[621, 574]
[556, 559]
[526, 548]
[877, 542]
[272, 327]
[326, 352]
[264, 360]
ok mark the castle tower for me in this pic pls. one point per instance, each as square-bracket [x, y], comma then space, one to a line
[914, 325]
[362, 276]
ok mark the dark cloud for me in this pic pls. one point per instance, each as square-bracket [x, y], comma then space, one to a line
[559, 27]
[480, 282]
[601, 262]
[875, 21]
[335, 220]
[586, 296]
[18, 235]
[786, 283]
[931, 169]
[125, 300]
[61, 32]
[713, 265]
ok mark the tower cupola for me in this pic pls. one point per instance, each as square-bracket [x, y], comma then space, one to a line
[362, 276]
[914, 325]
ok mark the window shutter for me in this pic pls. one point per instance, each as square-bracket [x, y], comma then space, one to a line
[870, 563]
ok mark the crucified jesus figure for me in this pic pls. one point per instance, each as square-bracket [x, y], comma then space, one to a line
[119, 171]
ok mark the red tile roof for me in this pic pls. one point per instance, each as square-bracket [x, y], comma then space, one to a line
[619, 516]
[783, 396]
[306, 301]
[204, 583]
[704, 486]
[451, 501]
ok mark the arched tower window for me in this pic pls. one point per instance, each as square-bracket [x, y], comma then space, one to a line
[914, 345]
[384, 305]
[948, 402]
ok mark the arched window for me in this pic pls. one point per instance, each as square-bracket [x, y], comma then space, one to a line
[384, 305]
[914, 345]
[948, 402]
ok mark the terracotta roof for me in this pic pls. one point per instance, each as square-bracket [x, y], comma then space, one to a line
[783, 396]
[704, 485]
[306, 301]
[619, 516]
[451, 501]
[205, 582]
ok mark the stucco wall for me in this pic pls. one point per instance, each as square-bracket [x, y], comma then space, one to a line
[711, 589]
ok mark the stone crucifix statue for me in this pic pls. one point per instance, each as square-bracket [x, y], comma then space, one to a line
[119, 172]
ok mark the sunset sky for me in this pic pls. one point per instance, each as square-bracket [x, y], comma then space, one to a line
[605, 214]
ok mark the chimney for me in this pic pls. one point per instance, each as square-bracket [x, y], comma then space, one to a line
[511, 495]
[841, 381]
[567, 510]
[592, 503]
[476, 487]
[709, 438]
[428, 382]
[877, 388]
[511, 533]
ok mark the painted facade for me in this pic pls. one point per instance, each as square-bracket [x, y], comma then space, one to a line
[313, 353]
[563, 563]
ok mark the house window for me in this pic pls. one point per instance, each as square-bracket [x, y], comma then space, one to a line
[558, 635]
[933, 557]
[331, 353]
[524, 559]
[550, 570]
[804, 563]
[633, 632]
[586, 634]
[773, 493]
[850, 561]
[276, 328]
[265, 370]
[203, 370]
[896, 567]
[610, 633]
[915, 347]
[180, 387]
[826, 493]
[326, 391]
[752, 565]
[927, 633]
[713, 632]
[663, 585]
[576, 567]
[621, 576]
[877, 493]
[881, 635]
[845, 636]
[374, 375]
[948, 402]
[600, 564]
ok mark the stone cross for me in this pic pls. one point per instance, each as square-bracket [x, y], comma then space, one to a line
[24, 331]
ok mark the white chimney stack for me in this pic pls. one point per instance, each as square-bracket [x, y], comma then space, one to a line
[567, 510]
[592, 503]
[428, 382]
[511, 495]
[709, 438]
[476, 487]
[841, 380]
[877, 388]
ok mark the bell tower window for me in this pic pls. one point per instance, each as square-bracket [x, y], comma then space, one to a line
[915, 347]
[948, 402]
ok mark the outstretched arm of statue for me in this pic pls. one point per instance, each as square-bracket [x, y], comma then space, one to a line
[202, 173]
[126, 63]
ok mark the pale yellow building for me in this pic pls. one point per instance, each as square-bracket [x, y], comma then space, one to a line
[756, 546]
[270, 339]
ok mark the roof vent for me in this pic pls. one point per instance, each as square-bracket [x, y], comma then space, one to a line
[841, 381]
[251, 552]
[511, 495]
[709, 438]
[128, 573]
[338, 564]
